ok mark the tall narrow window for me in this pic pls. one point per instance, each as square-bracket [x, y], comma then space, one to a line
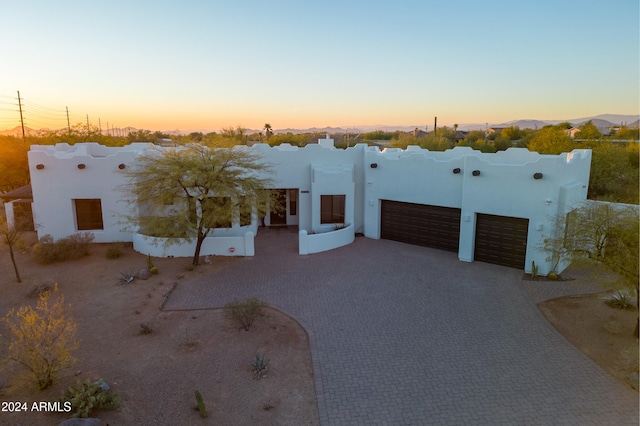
[293, 202]
[89, 214]
[246, 208]
[332, 208]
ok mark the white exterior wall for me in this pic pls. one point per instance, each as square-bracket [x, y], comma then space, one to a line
[55, 186]
[505, 186]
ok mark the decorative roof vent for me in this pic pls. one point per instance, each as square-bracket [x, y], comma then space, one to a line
[121, 166]
[456, 170]
[40, 166]
[81, 166]
[476, 173]
[537, 175]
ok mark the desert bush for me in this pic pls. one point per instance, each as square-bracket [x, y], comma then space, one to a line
[260, 366]
[244, 312]
[38, 290]
[42, 339]
[145, 328]
[114, 251]
[613, 327]
[620, 300]
[75, 246]
[629, 358]
[87, 395]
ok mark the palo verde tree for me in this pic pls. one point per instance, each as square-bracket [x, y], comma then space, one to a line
[598, 232]
[184, 193]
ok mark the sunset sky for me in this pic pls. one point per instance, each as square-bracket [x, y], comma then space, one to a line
[204, 65]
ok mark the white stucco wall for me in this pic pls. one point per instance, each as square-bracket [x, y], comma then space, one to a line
[59, 181]
[505, 186]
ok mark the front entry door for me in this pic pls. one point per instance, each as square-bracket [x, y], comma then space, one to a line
[279, 217]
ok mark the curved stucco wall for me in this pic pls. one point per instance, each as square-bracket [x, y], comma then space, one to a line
[213, 246]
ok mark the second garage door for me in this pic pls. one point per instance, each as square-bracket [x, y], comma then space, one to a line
[420, 224]
[501, 240]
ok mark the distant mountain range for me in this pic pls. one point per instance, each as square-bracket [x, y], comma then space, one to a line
[602, 121]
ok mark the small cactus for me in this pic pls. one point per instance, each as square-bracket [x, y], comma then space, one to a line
[153, 270]
[552, 276]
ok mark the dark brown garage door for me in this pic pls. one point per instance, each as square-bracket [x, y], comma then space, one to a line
[420, 224]
[501, 240]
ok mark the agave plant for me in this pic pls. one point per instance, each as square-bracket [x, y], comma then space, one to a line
[260, 365]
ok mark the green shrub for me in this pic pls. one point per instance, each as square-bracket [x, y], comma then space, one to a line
[87, 395]
[244, 312]
[75, 246]
[114, 251]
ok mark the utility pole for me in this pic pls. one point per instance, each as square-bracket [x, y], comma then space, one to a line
[435, 128]
[100, 125]
[68, 123]
[21, 119]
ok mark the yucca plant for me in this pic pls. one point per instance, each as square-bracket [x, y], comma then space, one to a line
[620, 300]
[125, 278]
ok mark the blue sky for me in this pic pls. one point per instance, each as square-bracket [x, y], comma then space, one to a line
[204, 65]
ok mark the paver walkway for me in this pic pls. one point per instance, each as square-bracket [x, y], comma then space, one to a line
[406, 335]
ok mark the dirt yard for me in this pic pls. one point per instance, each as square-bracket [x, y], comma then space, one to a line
[604, 333]
[156, 374]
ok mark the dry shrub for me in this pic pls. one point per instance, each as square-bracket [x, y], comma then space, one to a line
[75, 246]
[42, 339]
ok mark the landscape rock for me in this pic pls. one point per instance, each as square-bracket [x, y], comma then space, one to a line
[89, 421]
[143, 274]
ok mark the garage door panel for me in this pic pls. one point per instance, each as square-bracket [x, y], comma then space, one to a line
[501, 240]
[420, 224]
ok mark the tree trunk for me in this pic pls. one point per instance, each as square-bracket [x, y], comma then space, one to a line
[199, 241]
[13, 260]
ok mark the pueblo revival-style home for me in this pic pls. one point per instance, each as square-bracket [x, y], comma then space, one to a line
[494, 208]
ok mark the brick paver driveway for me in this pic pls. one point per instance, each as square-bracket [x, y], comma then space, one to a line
[406, 335]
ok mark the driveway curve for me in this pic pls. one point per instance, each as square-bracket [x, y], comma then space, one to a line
[407, 335]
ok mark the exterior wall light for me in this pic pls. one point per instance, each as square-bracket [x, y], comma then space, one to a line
[537, 175]
[121, 166]
[81, 166]
[374, 165]
[456, 170]
[476, 172]
[40, 166]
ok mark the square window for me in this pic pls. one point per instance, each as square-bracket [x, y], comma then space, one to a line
[88, 214]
